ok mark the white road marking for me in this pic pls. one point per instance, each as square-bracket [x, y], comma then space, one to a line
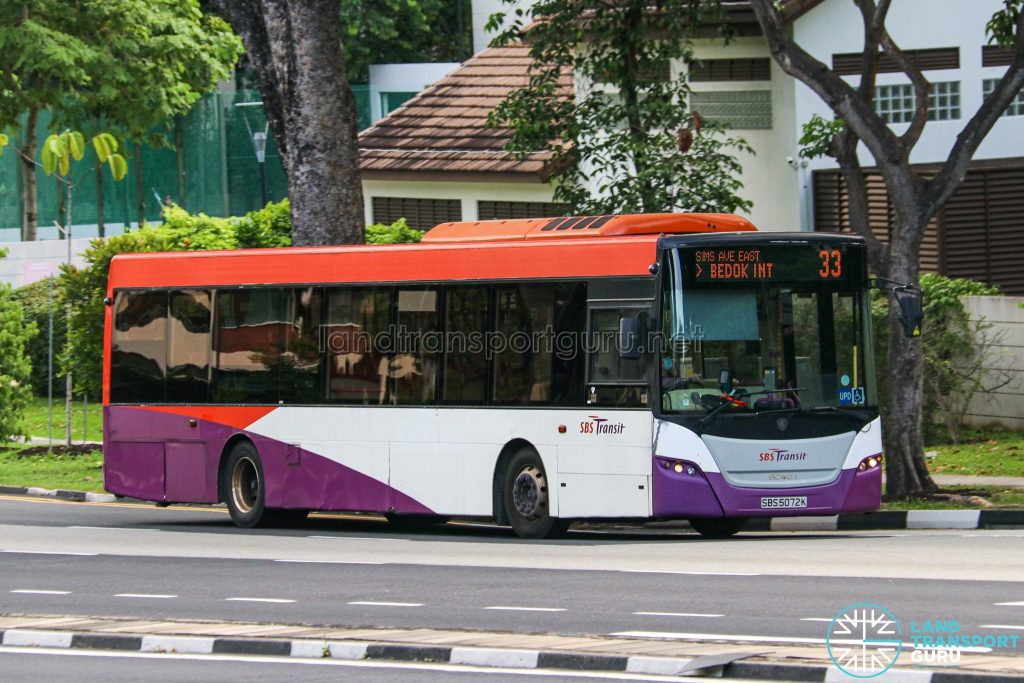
[35, 592]
[1009, 604]
[357, 538]
[1013, 626]
[156, 596]
[350, 663]
[367, 603]
[111, 528]
[759, 639]
[47, 552]
[327, 562]
[824, 619]
[676, 614]
[527, 609]
[275, 600]
[672, 571]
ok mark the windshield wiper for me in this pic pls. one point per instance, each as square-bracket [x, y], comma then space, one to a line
[839, 409]
[730, 400]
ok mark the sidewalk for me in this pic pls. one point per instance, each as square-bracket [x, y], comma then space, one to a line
[485, 649]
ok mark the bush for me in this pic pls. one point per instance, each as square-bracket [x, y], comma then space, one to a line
[35, 304]
[954, 351]
[396, 233]
[15, 368]
[271, 226]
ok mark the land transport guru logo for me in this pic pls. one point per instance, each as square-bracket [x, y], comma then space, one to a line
[864, 640]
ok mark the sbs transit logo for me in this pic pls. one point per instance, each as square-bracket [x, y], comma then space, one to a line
[601, 425]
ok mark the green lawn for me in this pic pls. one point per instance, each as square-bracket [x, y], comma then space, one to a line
[75, 472]
[992, 453]
[36, 420]
[1000, 497]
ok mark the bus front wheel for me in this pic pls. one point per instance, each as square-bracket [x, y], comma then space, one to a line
[243, 489]
[718, 527]
[525, 495]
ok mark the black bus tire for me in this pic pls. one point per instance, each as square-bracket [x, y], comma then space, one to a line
[525, 496]
[243, 487]
[718, 527]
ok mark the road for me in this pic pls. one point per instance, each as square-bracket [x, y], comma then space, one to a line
[190, 563]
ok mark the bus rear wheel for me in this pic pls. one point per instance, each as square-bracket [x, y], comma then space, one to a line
[718, 527]
[242, 487]
[525, 495]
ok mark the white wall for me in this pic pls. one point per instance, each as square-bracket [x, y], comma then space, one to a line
[403, 78]
[772, 184]
[1004, 406]
[28, 262]
[469, 192]
[835, 27]
[482, 11]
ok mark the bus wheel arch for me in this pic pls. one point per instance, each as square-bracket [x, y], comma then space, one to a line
[243, 485]
[500, 468]
[225, 452]
[526, 495]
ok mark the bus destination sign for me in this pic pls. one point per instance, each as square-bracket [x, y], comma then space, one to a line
[731, 264]
[771, 263]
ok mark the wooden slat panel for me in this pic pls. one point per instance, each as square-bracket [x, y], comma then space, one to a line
[852, 63]
[420, 214]
[754, 69]
[996, 56]
[491, 210]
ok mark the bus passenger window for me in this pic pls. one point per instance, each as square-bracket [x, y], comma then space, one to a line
[413, 366]
[188, 346]
[138, 359]
[524, 344]
[355, 337]
[300, 362]
[248, 344]
[467, 317]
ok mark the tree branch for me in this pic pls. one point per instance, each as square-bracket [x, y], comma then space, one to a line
[859, 115]
[944, 184]
[913, 72]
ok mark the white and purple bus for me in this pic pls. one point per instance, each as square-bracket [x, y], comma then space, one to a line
[534, 372]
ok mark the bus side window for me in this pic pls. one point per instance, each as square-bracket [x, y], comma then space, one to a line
[248, 344]
[467, 317]
[413, 366]
[138, 359]
[355, 338]
[300, 361]
[188, 346]
[522, 358]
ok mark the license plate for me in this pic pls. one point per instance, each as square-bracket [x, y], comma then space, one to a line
[783, 502]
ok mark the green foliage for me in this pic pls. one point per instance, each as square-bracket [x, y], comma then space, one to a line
[59, 150]
[14, 365]
[623, 139]
[403, 31]
[396, 233]
[954, 351]
[270, 226]
[1001, 27]
[187, 232]
[817, 137]
[35, 303]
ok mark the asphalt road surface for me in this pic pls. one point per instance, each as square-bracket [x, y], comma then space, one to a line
[190, 563]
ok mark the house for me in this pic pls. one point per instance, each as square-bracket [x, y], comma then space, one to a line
[434, 160]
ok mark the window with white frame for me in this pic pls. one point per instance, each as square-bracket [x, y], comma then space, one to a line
[1016, 107]
[944, 101]
[896, 103]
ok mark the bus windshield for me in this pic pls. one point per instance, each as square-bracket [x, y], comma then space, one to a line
[776, 342]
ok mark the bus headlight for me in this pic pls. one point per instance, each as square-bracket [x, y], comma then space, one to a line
[870, 463]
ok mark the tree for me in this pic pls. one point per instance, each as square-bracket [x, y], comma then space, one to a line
[915, 197]
[14, 364]
[398, 31]
[123, 66]
[295, 50]
[626, 131]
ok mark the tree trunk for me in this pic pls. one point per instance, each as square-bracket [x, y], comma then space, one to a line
[295, 49]
[140, 184]
[29, 197]
[101, 206]
[903, 429]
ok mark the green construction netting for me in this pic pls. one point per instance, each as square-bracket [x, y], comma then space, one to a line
[212, 168]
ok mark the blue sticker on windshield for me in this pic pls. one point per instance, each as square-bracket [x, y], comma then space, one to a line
[853, 396]
[845, 380]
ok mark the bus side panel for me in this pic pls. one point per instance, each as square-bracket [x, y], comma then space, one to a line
[134, 469]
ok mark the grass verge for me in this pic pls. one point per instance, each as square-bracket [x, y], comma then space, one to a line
[991, 453]
[51, 471]
[91, 418]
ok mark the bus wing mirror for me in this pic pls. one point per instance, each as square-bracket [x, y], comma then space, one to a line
[909, 299]
[911, 311]
[631, 331]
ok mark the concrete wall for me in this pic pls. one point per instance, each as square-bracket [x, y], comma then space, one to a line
[1004, 407]
[402, 78]
[28, 262]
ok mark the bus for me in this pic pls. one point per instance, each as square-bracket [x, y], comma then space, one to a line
[534, 372]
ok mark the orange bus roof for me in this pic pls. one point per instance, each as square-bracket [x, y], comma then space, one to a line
[587, 226]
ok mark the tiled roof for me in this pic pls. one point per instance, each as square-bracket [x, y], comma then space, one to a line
[443, 129]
